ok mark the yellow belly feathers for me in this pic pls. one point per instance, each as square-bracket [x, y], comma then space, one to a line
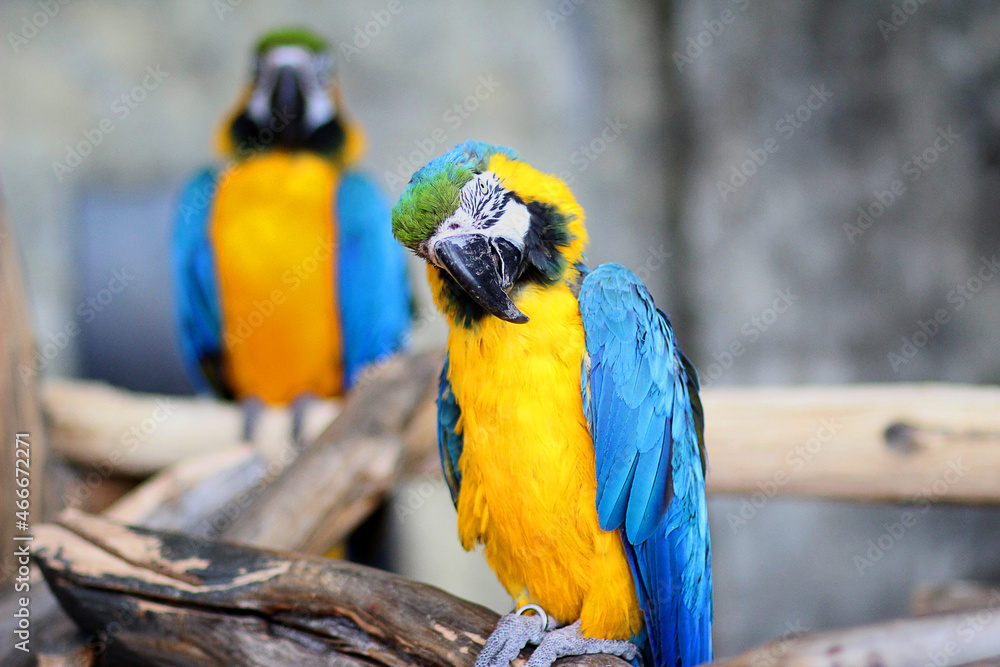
[528, 477]
[273, 234]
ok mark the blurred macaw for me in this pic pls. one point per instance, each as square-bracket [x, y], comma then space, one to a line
[288, 279]
[569, 424]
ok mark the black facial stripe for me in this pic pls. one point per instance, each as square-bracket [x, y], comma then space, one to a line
[485, 206]
[490, 221]
[547, 235]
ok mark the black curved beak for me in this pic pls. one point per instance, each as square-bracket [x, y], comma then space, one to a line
[288, 104]
[485, 269]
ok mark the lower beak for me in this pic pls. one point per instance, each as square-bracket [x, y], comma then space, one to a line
[485, 269]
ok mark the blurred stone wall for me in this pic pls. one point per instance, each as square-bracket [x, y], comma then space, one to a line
[845, 154]
[726, 180]
[837, 196]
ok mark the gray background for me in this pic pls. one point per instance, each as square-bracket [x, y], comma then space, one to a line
[564, 71]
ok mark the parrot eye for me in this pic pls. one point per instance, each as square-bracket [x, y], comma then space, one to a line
[484, 186]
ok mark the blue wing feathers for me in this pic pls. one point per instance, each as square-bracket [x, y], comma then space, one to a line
[196, 293]
[641, 403]
[372, 286]
[449, 439]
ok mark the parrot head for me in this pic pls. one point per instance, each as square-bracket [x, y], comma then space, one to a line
[291, 103]
[489, 226]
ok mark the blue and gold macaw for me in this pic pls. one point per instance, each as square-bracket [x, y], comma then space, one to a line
[570, 426]
[288, 279]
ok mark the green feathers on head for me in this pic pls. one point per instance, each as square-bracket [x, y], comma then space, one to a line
[426, 202]
[433, 193]
[292, 37]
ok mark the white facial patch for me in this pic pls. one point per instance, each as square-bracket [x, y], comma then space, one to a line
[486, 209]
[312, 72]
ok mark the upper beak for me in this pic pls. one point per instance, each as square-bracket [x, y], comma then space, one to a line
[485, 269]
[287, 99]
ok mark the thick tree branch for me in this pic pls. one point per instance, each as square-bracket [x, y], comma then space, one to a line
[157, 598]
[342, 477]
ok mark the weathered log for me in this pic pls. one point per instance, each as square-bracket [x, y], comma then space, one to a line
[192, 496]
[182, 497]
[893, 442]
[342, 477]
[962, 638]
[98, 425]
[158, 598]
[203, 494]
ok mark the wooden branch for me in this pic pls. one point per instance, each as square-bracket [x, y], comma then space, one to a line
[158, 598]
[943, 442]
[19, 409]
[893, 442]
[189, 495]
[182, 497]
[343, 476]
[202, 495]
[953, 596]
[948, 639]
[138, 434]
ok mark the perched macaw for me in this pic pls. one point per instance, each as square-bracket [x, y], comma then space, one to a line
[288, 279]
[569, 424]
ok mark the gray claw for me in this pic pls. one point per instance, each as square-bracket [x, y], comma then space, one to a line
[513, 633]
[568, 641]
[253, 408]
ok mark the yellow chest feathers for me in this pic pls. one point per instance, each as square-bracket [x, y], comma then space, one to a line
[518, 386]
[273, 234]
[528, 475]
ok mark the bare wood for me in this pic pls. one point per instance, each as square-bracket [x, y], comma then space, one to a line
[343, 476]
[828, 441]
[954, 596]
[76, 656]
[200, 602]
[19, 409]
[831, 441]
[58, 643]
[902, 643]
[182, 497]
[98, 425]
[168, 487]
[200, 495]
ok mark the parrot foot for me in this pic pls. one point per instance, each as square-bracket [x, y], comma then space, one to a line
[569, 641]
[253, 408]
[299, 407]
[513, 632]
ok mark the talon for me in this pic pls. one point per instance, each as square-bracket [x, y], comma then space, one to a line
[513, 632]
[569, 641]
[253, 408]
[299, 407]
